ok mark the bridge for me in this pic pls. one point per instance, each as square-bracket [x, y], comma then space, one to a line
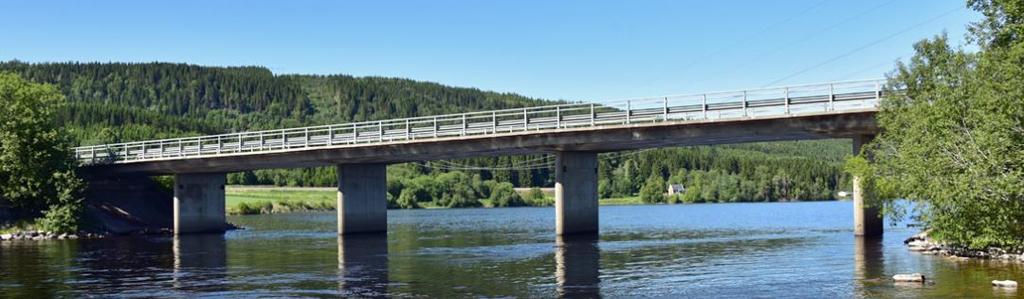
[575, 133]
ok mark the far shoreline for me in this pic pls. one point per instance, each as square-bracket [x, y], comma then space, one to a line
[261, 199]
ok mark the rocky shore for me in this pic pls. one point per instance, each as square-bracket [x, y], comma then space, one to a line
[925, 245]
[39, 236]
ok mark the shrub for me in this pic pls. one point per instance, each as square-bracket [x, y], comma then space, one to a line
[504, 195]
[653, 190]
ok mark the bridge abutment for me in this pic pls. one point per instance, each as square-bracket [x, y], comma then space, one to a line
[362, 198]
[867, 219]
[199, 203]
[576, 193]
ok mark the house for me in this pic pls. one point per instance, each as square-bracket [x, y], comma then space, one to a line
[674, 189]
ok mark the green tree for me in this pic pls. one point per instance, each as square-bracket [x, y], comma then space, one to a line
[953, 138]
[407, 199]
[653, 190]
[504, 195]
[37, 170]
[535, 194]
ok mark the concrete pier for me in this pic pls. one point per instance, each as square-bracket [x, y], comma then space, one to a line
[867, 220]
[362, 198]
[576, 193]
[199, 203]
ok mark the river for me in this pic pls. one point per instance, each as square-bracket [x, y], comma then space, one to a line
[768, 250]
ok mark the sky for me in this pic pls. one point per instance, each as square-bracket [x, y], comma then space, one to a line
[570, 50]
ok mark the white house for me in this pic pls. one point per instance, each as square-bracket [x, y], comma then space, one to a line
[676, 189]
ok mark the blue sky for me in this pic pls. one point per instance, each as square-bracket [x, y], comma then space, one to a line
[576, 50]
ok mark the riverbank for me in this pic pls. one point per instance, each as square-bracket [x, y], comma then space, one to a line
[926, 245]
[250, 200]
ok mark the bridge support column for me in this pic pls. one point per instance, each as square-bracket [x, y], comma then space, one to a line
[199, 203]
[362, 198]
[576, 193]
[867, 220]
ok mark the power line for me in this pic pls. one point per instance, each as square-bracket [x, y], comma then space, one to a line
[861, 48]
[733, 45]
[800, 40]
[872, 67]
[429, 164]
[520, 165]
[759, 33]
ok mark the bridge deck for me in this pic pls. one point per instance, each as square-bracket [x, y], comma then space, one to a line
[838, 109]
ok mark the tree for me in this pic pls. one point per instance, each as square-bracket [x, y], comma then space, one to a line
[504, 195]
[653, 190]
[953, 138]
[535, 194]
[407, 199]
[37, 170]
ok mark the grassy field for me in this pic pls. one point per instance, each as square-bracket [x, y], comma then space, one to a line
[265, 200]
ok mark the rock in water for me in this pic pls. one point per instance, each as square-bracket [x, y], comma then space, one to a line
[1004, 283]
[913, 277]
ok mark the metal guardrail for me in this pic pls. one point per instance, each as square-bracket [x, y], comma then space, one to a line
[774, 101]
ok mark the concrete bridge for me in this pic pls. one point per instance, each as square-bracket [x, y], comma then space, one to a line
[574, 133]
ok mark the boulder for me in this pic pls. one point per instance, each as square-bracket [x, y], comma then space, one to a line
[1004, 283]
[6, 237]
[912, 277]
[922, 236]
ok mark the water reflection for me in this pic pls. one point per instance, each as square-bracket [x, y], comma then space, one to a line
[23, 273]
[363, 265]
[200, 262]
[868, 264]
[577, 266]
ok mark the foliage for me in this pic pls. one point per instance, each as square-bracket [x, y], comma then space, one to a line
[406, 200]
[535, 194]
[734, 172]
[953, 139]
[653, 190]
[504, 195]
[36, 167]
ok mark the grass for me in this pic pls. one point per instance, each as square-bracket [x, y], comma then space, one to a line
[243, 200]
[632, 200]
[264, 200]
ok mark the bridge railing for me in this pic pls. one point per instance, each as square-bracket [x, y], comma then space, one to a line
[776, 101]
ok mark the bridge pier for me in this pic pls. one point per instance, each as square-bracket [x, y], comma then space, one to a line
[867, 220]
[362, 198]
[199, 203]
[576, 193]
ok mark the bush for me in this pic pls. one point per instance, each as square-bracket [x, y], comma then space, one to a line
[653, 190]
[504, 195]
[535, 194]
[407, 200]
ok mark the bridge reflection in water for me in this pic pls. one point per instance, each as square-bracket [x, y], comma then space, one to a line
[868, 265]
[578, 266]
[200, 262]
[363, 265]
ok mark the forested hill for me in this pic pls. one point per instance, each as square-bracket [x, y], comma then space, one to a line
[114, 102]
[138, 101]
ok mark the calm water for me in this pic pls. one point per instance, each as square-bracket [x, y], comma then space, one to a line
[712, 250]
